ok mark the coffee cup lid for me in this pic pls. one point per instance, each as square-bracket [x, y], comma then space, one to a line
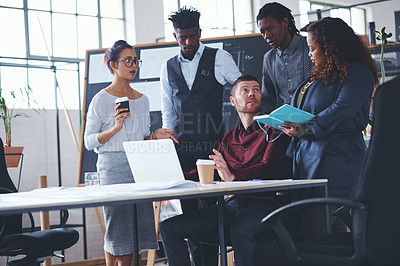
[121, 99]
[205, 162]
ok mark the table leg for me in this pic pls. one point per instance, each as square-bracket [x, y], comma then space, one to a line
[151, 254]
[221, 231]
[135, 236]
[328, 219]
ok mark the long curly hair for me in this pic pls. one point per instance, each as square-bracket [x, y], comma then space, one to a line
[341, 47]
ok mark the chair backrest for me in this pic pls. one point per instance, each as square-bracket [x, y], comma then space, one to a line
[5, 180]
[9, 224]
[380, 185]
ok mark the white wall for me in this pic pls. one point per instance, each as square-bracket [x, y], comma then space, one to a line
[383, 15]
[148, 17]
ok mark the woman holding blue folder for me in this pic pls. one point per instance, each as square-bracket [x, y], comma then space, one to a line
[339, 92]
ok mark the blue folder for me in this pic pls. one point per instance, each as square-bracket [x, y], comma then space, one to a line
[285, 113]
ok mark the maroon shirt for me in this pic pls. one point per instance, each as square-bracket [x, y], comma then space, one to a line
[249, 156]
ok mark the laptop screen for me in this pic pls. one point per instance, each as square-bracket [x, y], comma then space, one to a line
[153, 161]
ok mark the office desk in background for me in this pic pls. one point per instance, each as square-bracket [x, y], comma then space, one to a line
[55, 198]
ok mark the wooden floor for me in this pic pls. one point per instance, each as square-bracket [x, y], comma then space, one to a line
[102, 262]
[91, 262]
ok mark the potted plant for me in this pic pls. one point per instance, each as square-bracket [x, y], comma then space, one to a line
[383, 36]
[8, 113]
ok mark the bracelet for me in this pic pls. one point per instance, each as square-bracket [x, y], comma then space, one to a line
[152, 136]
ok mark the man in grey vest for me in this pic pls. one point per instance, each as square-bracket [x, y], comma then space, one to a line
[287, 64]
[192, 86]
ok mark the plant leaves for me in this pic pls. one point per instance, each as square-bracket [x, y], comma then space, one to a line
[7, 111]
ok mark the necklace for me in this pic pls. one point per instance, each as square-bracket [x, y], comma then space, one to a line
[305, 87]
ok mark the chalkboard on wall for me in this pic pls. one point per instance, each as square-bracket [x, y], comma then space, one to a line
[247, 51]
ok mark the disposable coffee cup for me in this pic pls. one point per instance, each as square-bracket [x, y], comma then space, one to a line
[124, 101]
[205, 169]
[92, 179]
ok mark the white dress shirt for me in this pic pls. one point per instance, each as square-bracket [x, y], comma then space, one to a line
[226, 71]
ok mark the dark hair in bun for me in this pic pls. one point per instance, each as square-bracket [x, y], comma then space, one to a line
[112, 54]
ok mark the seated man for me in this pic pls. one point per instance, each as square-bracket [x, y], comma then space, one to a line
[244, 154]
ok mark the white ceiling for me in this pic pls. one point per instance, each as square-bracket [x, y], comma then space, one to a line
[353, 2]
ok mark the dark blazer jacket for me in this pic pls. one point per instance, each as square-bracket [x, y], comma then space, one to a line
[336, 149]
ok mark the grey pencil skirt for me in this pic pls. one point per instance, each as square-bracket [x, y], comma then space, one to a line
[113, 168]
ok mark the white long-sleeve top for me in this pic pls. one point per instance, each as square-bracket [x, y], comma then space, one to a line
[100, 116]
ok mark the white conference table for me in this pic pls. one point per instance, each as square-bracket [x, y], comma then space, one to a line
[56, 198]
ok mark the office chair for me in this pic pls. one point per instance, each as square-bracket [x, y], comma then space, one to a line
[373, 216]
[31, 248]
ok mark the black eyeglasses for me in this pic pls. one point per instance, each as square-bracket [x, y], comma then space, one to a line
[129, 62]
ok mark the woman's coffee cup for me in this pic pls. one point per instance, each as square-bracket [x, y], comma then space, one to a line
[124, 101]
[205, 169]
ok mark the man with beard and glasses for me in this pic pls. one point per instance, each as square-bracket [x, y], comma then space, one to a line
[244, 154]
[192, 87]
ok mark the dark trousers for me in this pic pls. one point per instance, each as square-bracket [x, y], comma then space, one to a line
[315, 217]
[202, 254]
[242, 224]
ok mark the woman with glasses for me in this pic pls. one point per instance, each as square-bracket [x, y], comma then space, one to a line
[107, 127]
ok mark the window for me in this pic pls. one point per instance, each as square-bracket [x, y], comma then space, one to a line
[14, 44]
[224, 17]
[355, 17]
[65, 29]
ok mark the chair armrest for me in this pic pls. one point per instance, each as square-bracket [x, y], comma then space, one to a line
[359, 214]
[32, 221]
[3, 221]
[344, 214]
[314, 201]
[2, 228]
[64, 218]
[4, 190]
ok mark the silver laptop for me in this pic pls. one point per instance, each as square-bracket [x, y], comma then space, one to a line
[153, 161]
